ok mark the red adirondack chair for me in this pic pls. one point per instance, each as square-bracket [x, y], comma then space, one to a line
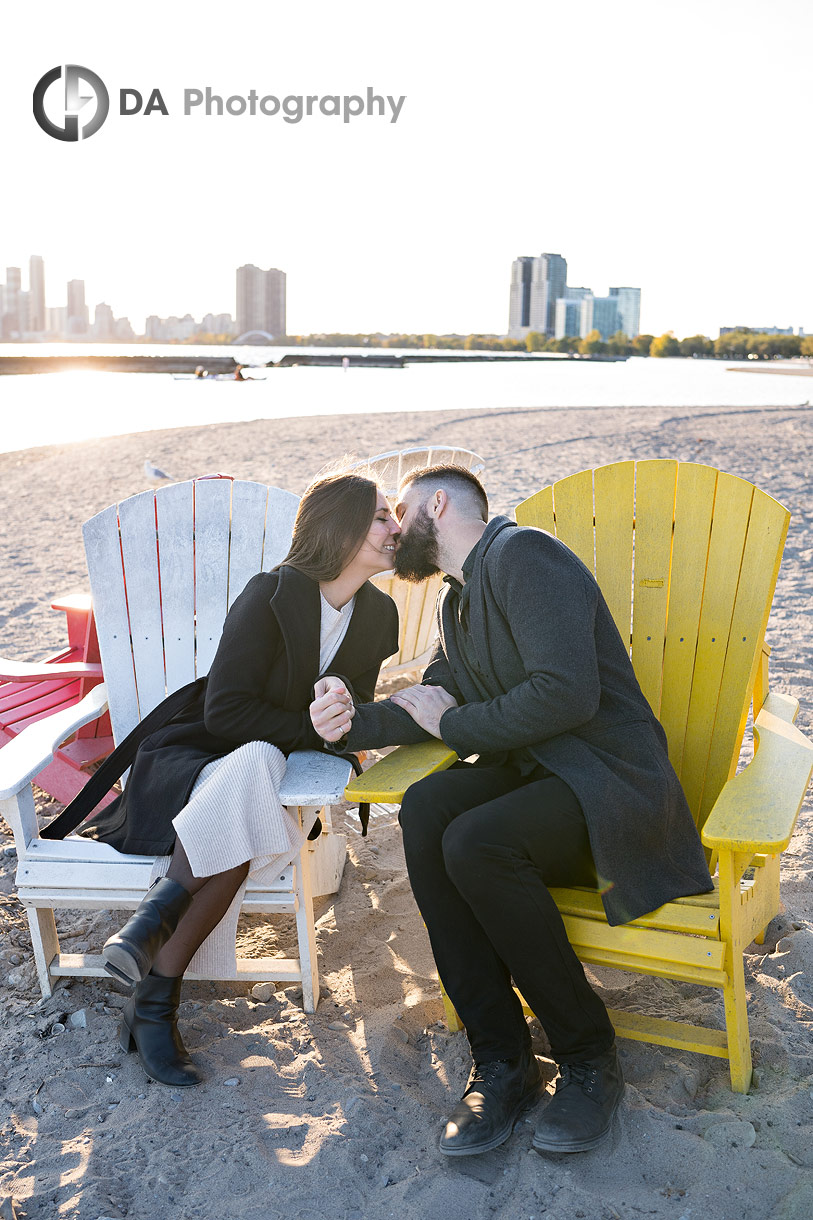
[30, 691]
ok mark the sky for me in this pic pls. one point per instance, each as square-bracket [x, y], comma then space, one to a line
[658, 145]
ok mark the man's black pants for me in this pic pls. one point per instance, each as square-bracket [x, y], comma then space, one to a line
[482, 845]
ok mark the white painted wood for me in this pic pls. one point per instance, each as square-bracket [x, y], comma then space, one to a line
[31, 671]
[140, 555]
[306, 934]
[103, 553]
[249, 969]
[279, 526]
[313, 779]
[212, 525]
[248, 505]
[20, 814]
[175, 511]
[26, 754]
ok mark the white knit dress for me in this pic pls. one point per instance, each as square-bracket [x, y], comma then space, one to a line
[234, 814]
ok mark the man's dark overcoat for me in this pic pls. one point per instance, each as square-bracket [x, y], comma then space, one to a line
[544, 667]
[259, 688]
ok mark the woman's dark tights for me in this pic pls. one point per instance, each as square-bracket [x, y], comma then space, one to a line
[211, 898]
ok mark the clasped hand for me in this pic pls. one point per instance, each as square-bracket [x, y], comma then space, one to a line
[332, 710]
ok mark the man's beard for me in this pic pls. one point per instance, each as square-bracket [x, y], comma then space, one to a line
[416, 557]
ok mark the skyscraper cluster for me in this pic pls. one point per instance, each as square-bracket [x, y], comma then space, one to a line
[25, 315]
[261, 301]
[542, 301]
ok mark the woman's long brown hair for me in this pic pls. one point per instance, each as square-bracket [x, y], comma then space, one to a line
[334, 518]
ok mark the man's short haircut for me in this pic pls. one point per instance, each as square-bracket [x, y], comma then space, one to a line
[457, 479]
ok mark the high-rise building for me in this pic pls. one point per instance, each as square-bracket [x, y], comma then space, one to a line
[11, 305]
[568, 317]
[536, 284]
[36, 286]
[261, 300]
[547, 286]
[601, 314]
[77, 309]
[629, 310]
[519, 306]
[103, 322]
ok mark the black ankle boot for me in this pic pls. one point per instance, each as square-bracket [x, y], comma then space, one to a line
[579, 1115]
[498, 1092]
[129, 954]
[149, 1025]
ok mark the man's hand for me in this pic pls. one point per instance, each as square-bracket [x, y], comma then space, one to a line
[425, 704]
[332, 709]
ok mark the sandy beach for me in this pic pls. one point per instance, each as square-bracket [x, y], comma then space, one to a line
[337, 1114]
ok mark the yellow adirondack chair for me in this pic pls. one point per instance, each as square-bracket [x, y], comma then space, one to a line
[687, 558]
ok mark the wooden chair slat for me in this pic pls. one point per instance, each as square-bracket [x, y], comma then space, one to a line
[140, 557]
[103, 551]
[538, 510]
[654, 515]
[573, 508]
[248, 505]
[174, 506]
[614, 496]
[212, 536]
[694, 504]
[281, 513]
[732, 504]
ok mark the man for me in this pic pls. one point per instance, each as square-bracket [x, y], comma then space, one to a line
[572, 786]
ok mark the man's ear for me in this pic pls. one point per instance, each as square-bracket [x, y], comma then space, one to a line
[439, 503]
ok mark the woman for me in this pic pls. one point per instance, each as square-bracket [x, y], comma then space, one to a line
[194, 785]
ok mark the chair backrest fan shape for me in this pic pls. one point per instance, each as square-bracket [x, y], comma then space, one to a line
[164, 568]
[687, 558]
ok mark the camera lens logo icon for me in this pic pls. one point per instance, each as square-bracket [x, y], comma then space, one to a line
[81, 87]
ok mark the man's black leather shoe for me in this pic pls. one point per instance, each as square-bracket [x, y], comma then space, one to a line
[579, 1115]
[497, 1094]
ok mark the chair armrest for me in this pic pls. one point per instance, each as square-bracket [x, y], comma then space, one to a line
[32, 671]
[388, 780]
[757, 809]
[22, 758]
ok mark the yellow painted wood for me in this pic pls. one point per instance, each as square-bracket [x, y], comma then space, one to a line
[654, 508]
[694, 503]
[388, 780]
[731, 511]
[757, 809]
[767, 530]
[690, 958]
[614, 503]
[672, 917]
[734, 942]
[573, 508]
[538, 510]
[678, 1034]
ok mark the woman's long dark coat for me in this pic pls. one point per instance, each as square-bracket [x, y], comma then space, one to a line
[259, 689]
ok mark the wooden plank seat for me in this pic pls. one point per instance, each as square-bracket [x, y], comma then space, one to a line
[164, 568]
[687, 558]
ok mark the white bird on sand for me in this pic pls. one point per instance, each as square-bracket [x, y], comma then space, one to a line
[156, 473]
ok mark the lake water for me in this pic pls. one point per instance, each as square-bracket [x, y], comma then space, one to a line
[57, 407]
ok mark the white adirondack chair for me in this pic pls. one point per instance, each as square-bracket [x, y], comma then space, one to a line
[416, 603]
[164, 568]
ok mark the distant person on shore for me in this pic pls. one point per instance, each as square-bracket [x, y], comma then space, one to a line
[573, 786]
[238, 373]
[200, 371]
[204, 785]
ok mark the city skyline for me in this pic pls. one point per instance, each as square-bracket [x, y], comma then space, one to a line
[416, 222]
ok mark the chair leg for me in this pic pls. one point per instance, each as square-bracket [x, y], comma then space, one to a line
[453, 1022]
[45, 943]
[306, 932]
[736, 1019]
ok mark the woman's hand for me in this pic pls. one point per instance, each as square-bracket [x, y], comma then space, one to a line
[332, 709]
[425, 704]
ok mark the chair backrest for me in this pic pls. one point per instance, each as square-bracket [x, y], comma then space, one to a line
[416, 603]
[164, 568]
[687, 558]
